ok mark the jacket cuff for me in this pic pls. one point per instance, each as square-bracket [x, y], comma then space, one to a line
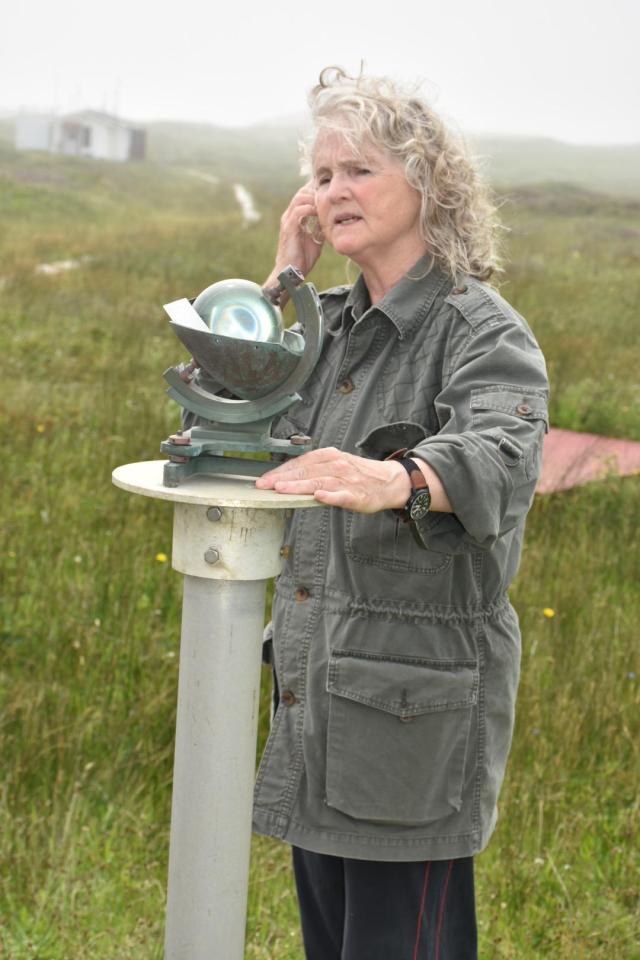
[487, 494]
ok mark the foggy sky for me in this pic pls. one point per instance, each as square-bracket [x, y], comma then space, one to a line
[566, 69]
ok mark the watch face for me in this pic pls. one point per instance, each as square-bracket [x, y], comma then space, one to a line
[420, 504]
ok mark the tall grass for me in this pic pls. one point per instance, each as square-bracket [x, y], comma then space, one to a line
[91, 609]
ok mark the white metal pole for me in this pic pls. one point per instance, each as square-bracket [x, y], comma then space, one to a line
[226, 541]
[214, 767]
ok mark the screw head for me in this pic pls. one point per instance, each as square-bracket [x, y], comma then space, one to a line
[211, 556]
[214, 514]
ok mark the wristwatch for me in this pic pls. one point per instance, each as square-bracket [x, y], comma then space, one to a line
[419, 502]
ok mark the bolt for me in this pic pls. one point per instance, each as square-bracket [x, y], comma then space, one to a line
[214, 514]
[295, 276]
[211, 556]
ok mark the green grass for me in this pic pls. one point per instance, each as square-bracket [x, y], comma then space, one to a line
[90, 616]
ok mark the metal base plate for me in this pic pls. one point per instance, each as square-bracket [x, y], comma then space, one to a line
[175, 473]
[213, 465]
[205, 451]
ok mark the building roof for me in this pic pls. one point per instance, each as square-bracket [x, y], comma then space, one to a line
[99, 116]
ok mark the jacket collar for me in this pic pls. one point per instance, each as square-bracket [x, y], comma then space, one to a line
[407, 304]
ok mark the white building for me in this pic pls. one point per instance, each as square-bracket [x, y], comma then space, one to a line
[88, 133]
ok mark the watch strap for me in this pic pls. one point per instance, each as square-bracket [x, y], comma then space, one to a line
[416, 476]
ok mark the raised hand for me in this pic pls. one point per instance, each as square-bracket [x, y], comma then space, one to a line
[296, 245]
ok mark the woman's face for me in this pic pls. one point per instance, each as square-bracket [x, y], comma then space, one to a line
[366, 208]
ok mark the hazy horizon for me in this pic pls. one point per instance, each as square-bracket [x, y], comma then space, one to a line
[289, 122]
[561, 71]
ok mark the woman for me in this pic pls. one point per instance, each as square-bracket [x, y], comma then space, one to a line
[395, 648]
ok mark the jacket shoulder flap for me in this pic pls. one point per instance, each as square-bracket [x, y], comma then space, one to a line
[480, 305]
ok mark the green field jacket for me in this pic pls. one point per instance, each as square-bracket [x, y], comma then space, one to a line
[397, 661]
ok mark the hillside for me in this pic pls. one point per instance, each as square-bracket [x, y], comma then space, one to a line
[609, 168]
[268, 149]
[267, 153]
[91, 609]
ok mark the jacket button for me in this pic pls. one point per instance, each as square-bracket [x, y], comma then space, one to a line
[458, 290]
[288, 698]
[523, 409]
[285, 551]
[346, 386]
[302, 594]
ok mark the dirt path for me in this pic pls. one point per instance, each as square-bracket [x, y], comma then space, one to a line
[244, 198]
[209, 178]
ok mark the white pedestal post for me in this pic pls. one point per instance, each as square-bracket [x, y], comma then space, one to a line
[226, 541]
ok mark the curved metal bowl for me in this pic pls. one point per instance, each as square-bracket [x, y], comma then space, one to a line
[247, 368]
[238, 309]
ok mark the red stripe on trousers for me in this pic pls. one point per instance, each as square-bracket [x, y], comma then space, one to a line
[423, 900]
[441, 913]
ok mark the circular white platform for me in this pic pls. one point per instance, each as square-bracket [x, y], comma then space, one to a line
[146, 478]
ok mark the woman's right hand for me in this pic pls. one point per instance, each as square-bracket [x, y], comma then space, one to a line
[296, 246]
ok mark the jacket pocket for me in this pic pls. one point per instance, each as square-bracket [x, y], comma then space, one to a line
[508, 413]
[514, 401]
[382, 440]
[380, 540]
[398, 735]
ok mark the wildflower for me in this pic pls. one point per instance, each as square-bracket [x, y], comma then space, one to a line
[77, 558]
[97, 622]
[539, 862]
[549, 612]
[40, 428]
[161, 557]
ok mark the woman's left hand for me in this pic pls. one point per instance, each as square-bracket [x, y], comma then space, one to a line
[342, 480]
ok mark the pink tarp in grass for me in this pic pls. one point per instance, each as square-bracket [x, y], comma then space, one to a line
[571, 459]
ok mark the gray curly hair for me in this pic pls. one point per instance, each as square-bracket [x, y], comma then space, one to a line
[458, 218]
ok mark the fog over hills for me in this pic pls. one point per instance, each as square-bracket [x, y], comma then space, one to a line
[268, 152]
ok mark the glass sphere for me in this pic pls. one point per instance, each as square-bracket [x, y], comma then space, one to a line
[238, 308]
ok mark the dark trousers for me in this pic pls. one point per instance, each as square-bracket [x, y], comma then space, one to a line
[374, 910]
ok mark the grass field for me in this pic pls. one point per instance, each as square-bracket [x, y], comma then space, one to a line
[91, 608]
